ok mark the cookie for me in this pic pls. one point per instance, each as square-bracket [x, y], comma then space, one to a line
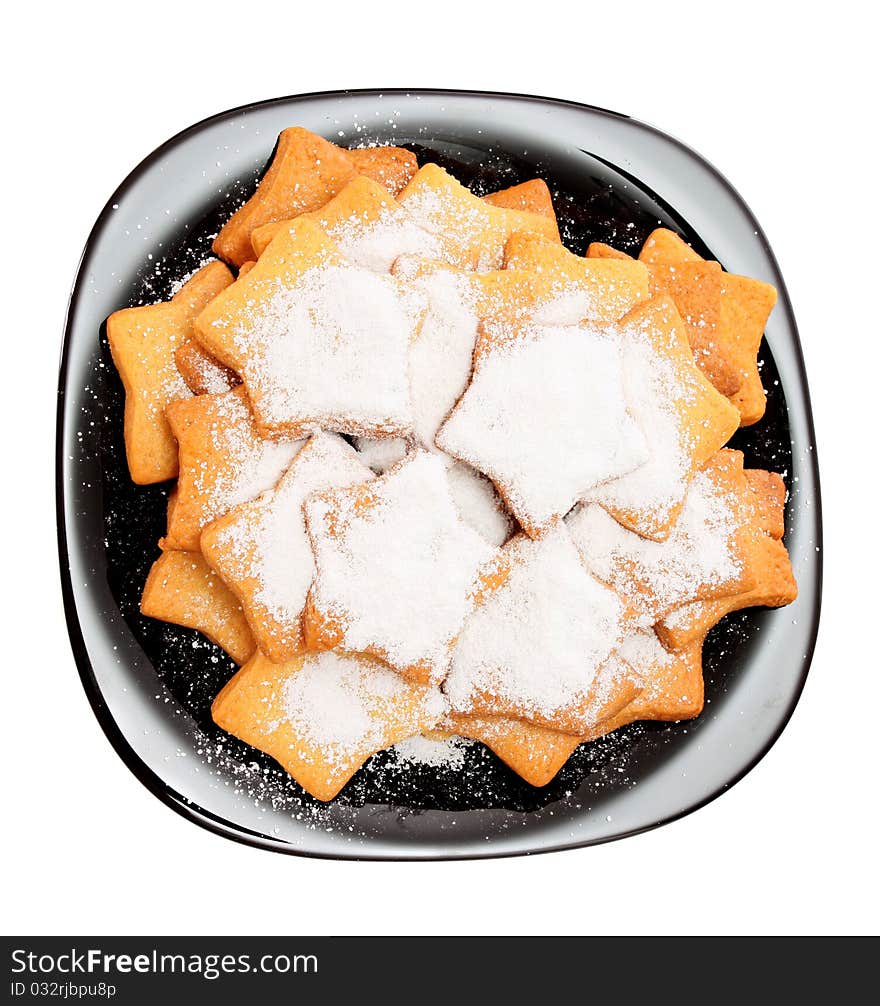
[223, 462]
[476, 499]
[537, 753]
[397, 568]
[201, 373]
[707, 554]
[262, 551]
[322, 715]
[369, 227]
[319, 343]
[142, 342]
[184, 590]
[474, 230]
[457, 302]
[545, 417]
[532, 196]
[745, 307]
[695, 287]
[673, 683]
[746, 304]
[770, 566]
[305, 172]
[534, 648]
[685, 420]
[601, 290]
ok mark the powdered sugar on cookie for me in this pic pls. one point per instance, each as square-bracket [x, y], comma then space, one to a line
[380, 455]
[241, 464]
[536, 644]
[339, 704]
[396, 566]
[701, 556]
[683, 418]
[546, 419]
[478, 504]
[262, 549]
[330, 352]
[375, 244]
[441, 356]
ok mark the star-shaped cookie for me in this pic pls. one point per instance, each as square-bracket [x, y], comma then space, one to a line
[746, 304]
[369, 227]
[685, 420]
[770, 567]
[534, 648]
[262, 550]
[223, 462]
[305, 172]
[537, 753]
[673, 682]
[601, 290]
[397, 568]
[545, 417]
[475, 231]
[319, 343]
[184, 590]
[695, 286]
[322, 715]
[706, 555]
[143, 341]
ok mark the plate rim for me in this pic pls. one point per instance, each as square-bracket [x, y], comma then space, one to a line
[238, 833]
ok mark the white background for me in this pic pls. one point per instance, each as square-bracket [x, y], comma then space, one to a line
[779, 102]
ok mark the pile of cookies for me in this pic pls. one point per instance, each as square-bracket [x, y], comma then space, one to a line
[437, 475]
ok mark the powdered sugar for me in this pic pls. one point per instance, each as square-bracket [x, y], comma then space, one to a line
[330, 351]
[449, 754]
[458, 219]
[658, 394]
[546, 419]
[538, 641]
[398, 570]
[268, 542]
[380, 455]
[701, 551]
[340, 704]
[478, 504]
[476, 499]
[644, 651]
[241, 464]
[375, 244]
[441, 356]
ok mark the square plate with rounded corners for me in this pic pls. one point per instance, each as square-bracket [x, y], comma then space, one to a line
[614, 179]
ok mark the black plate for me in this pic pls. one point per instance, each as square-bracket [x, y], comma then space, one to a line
[151, 685]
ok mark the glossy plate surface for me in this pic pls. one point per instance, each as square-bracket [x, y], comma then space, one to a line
[614, 180]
